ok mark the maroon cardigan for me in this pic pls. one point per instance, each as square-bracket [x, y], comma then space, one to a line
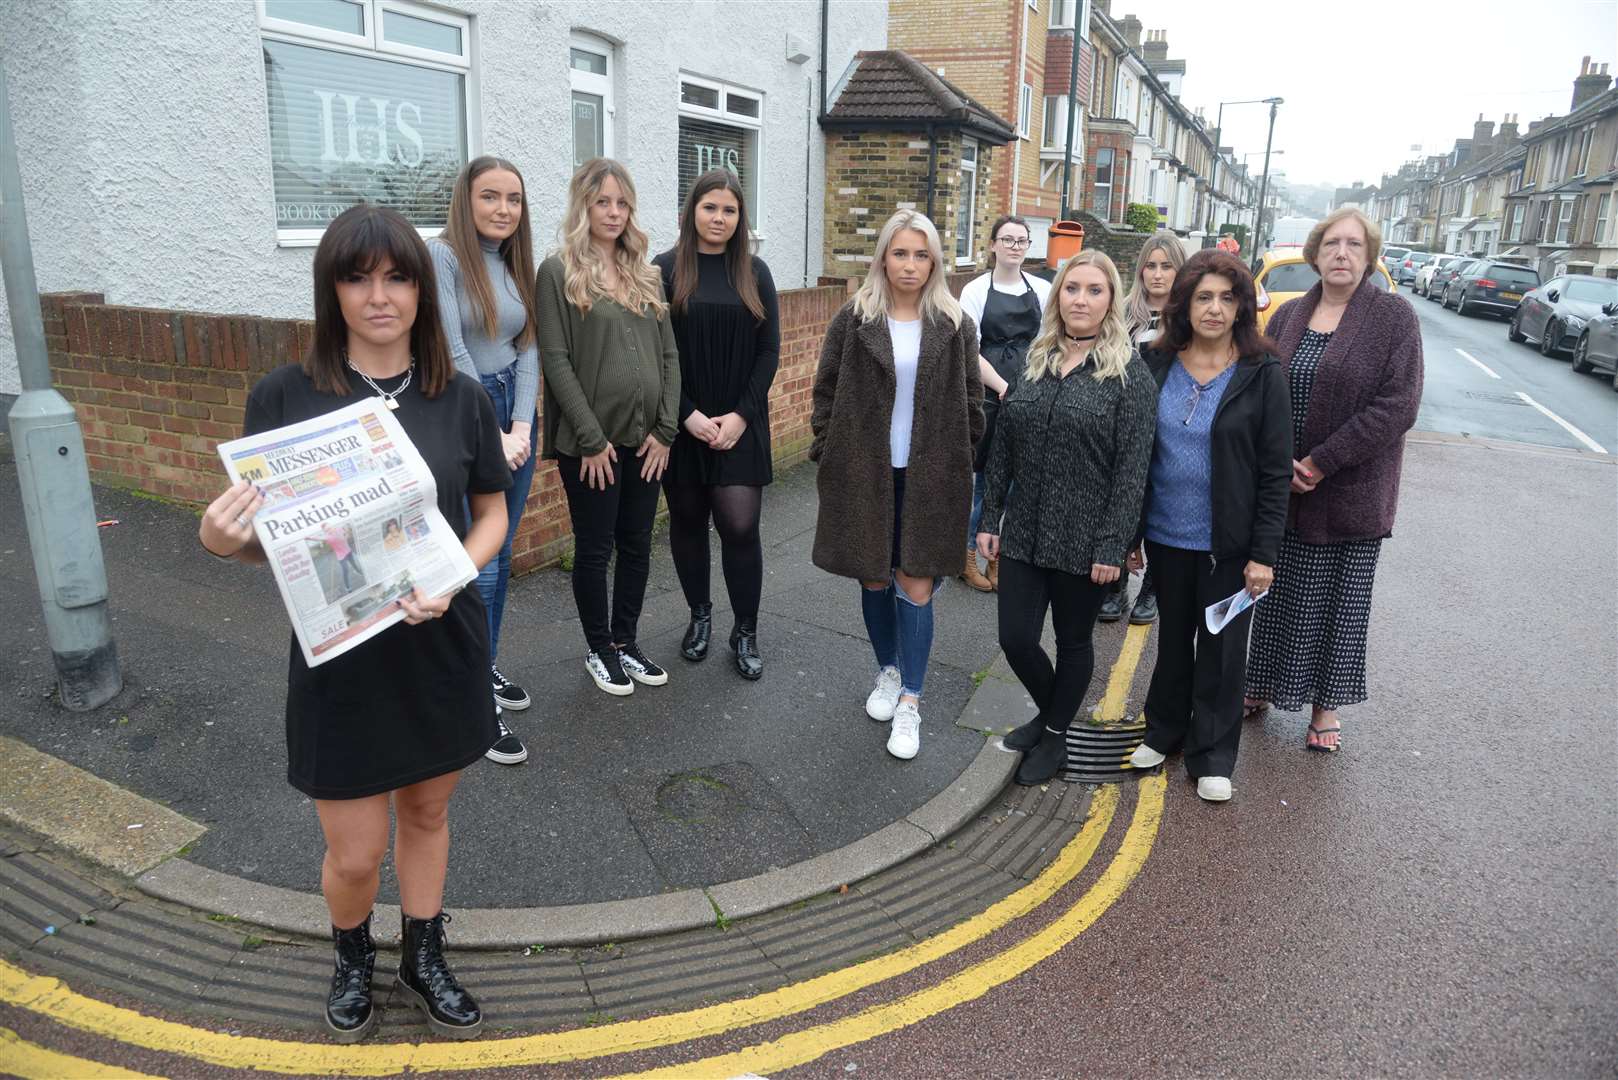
[1363, 400]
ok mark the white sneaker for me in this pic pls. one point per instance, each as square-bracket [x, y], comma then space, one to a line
[1145, 757]
[904, 741]
[1213, 788]
[885, 698]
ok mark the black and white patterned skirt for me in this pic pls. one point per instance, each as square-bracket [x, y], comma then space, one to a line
[1308, 644]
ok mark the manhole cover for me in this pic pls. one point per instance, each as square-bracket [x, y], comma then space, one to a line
[693, 797]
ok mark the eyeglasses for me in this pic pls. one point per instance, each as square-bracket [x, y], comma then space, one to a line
[1197, 390]
[1015, 245]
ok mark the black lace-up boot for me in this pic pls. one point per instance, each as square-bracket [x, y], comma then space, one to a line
[428, 983]
[744, 639]
[694, 646]
[348, 1005]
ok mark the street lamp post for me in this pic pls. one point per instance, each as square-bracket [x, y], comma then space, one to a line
[1264, 185]
[1219, 133]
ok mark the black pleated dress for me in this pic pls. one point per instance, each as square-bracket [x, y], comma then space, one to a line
[728, 360]
[413, 702]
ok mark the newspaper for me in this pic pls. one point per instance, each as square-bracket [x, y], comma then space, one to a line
[350, 523]
[1222, 614]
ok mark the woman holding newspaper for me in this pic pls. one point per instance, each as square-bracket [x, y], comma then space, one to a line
[397, 718]
[1216, 505]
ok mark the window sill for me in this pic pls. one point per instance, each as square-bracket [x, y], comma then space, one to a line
[308, 238]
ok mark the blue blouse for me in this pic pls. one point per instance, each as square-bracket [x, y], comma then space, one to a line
[1180, 513]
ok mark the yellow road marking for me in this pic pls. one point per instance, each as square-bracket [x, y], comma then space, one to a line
[1116, 700]
[51, 998]
[18, 1057]
[801, 1047]
[54, 999]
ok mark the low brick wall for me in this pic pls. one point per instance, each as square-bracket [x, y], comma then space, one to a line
[156, 391]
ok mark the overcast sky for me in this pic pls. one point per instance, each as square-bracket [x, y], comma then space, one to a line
[1366, 81]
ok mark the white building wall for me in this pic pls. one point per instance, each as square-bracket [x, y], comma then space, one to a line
[143, 141]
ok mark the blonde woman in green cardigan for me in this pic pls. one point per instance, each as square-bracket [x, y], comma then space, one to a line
[612, 403]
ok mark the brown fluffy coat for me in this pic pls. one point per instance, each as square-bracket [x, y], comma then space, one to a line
[853, 407]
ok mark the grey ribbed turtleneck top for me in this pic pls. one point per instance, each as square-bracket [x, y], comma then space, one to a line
[474, 352]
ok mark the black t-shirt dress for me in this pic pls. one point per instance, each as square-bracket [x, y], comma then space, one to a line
[414, 701]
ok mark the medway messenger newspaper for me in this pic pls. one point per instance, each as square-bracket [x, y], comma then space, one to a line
[350, 523]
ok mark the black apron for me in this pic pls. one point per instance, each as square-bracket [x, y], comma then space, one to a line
[1010, 324]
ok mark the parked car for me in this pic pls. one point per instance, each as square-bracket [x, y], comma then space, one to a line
[1444, 275]
[1284, 275]
[1404, 272]
[1391, 257]
[1597, 348]
[1424, 276]
[1490, 285]
[1555, 314]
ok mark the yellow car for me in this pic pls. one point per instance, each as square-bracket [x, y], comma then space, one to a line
[1284, 275]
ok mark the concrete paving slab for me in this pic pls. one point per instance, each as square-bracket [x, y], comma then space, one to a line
[85, 814]
[884, 848]
[997, 706]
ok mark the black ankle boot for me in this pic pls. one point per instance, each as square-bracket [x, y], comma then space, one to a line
[1026, 737]
[744, 639]
[348, 1004]
[428, 983]
[1044, 761]
[694, 646]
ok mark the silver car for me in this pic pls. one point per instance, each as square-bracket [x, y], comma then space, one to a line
[1597, 348]
[1423, 285]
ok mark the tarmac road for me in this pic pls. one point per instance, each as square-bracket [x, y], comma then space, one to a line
[1463, 398]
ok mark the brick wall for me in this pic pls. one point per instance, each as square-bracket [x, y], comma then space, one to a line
[156, 391]
[870, 174]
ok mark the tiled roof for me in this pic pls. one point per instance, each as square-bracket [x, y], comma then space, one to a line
[892, 88]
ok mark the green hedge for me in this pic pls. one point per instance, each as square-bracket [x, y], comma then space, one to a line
[1142, 217]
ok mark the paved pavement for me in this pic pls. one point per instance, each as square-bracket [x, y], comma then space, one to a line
[1480, 396]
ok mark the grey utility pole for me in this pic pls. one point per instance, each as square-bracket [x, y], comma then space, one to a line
[52, 471]
[1264, 187]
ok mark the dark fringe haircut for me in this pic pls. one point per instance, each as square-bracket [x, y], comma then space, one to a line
[1001, 222]
[738, 252]
[1176, 322]
[358, 240]
[517, 250]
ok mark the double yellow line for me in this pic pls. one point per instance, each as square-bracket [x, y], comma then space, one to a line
[50, 998]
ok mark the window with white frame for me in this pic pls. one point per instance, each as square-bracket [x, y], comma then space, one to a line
[590, 78]
[1598, 232]
[367, 103]
[1025, 110]
[719, 128]
[1564, 221]
[1054, 133]
[966, 220]
[1101, 200]
[1584, 150]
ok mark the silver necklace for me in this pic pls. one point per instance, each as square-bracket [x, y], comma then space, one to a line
[387, 398]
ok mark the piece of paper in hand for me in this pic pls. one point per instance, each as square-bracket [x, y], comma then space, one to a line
[1223, 613]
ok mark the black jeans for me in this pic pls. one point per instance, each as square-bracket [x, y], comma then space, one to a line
[1073, 599]
[1195, 699]
[621, 517]
[734, 509]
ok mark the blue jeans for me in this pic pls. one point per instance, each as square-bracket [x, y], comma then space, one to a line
[493, 578]
[977, 513]
[901, 633]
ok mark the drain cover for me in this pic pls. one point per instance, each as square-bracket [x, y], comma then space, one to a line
[693, 797]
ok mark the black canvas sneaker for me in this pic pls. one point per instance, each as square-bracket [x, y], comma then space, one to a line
[507, 694]
[608, 672]
[640, 668]
[507, 749]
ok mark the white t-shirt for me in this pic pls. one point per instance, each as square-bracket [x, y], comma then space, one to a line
[975, 294]
[906, 354]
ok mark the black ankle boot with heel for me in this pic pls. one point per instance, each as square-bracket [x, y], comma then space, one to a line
[428, 983]
[694, 646]
[349, 1012]
[744, 639]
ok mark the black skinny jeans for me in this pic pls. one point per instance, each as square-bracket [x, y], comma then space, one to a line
[734, 509]
[1073, 599]
[1195, 699]
[620, 517]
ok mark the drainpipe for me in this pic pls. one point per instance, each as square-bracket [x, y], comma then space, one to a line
[808, 166]
[825, 24]
[932, 169]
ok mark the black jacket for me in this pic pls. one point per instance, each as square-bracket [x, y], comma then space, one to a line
[1068, 468]
[1251, 449]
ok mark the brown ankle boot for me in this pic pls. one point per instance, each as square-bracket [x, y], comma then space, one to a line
[994, 573]
[973, 576]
